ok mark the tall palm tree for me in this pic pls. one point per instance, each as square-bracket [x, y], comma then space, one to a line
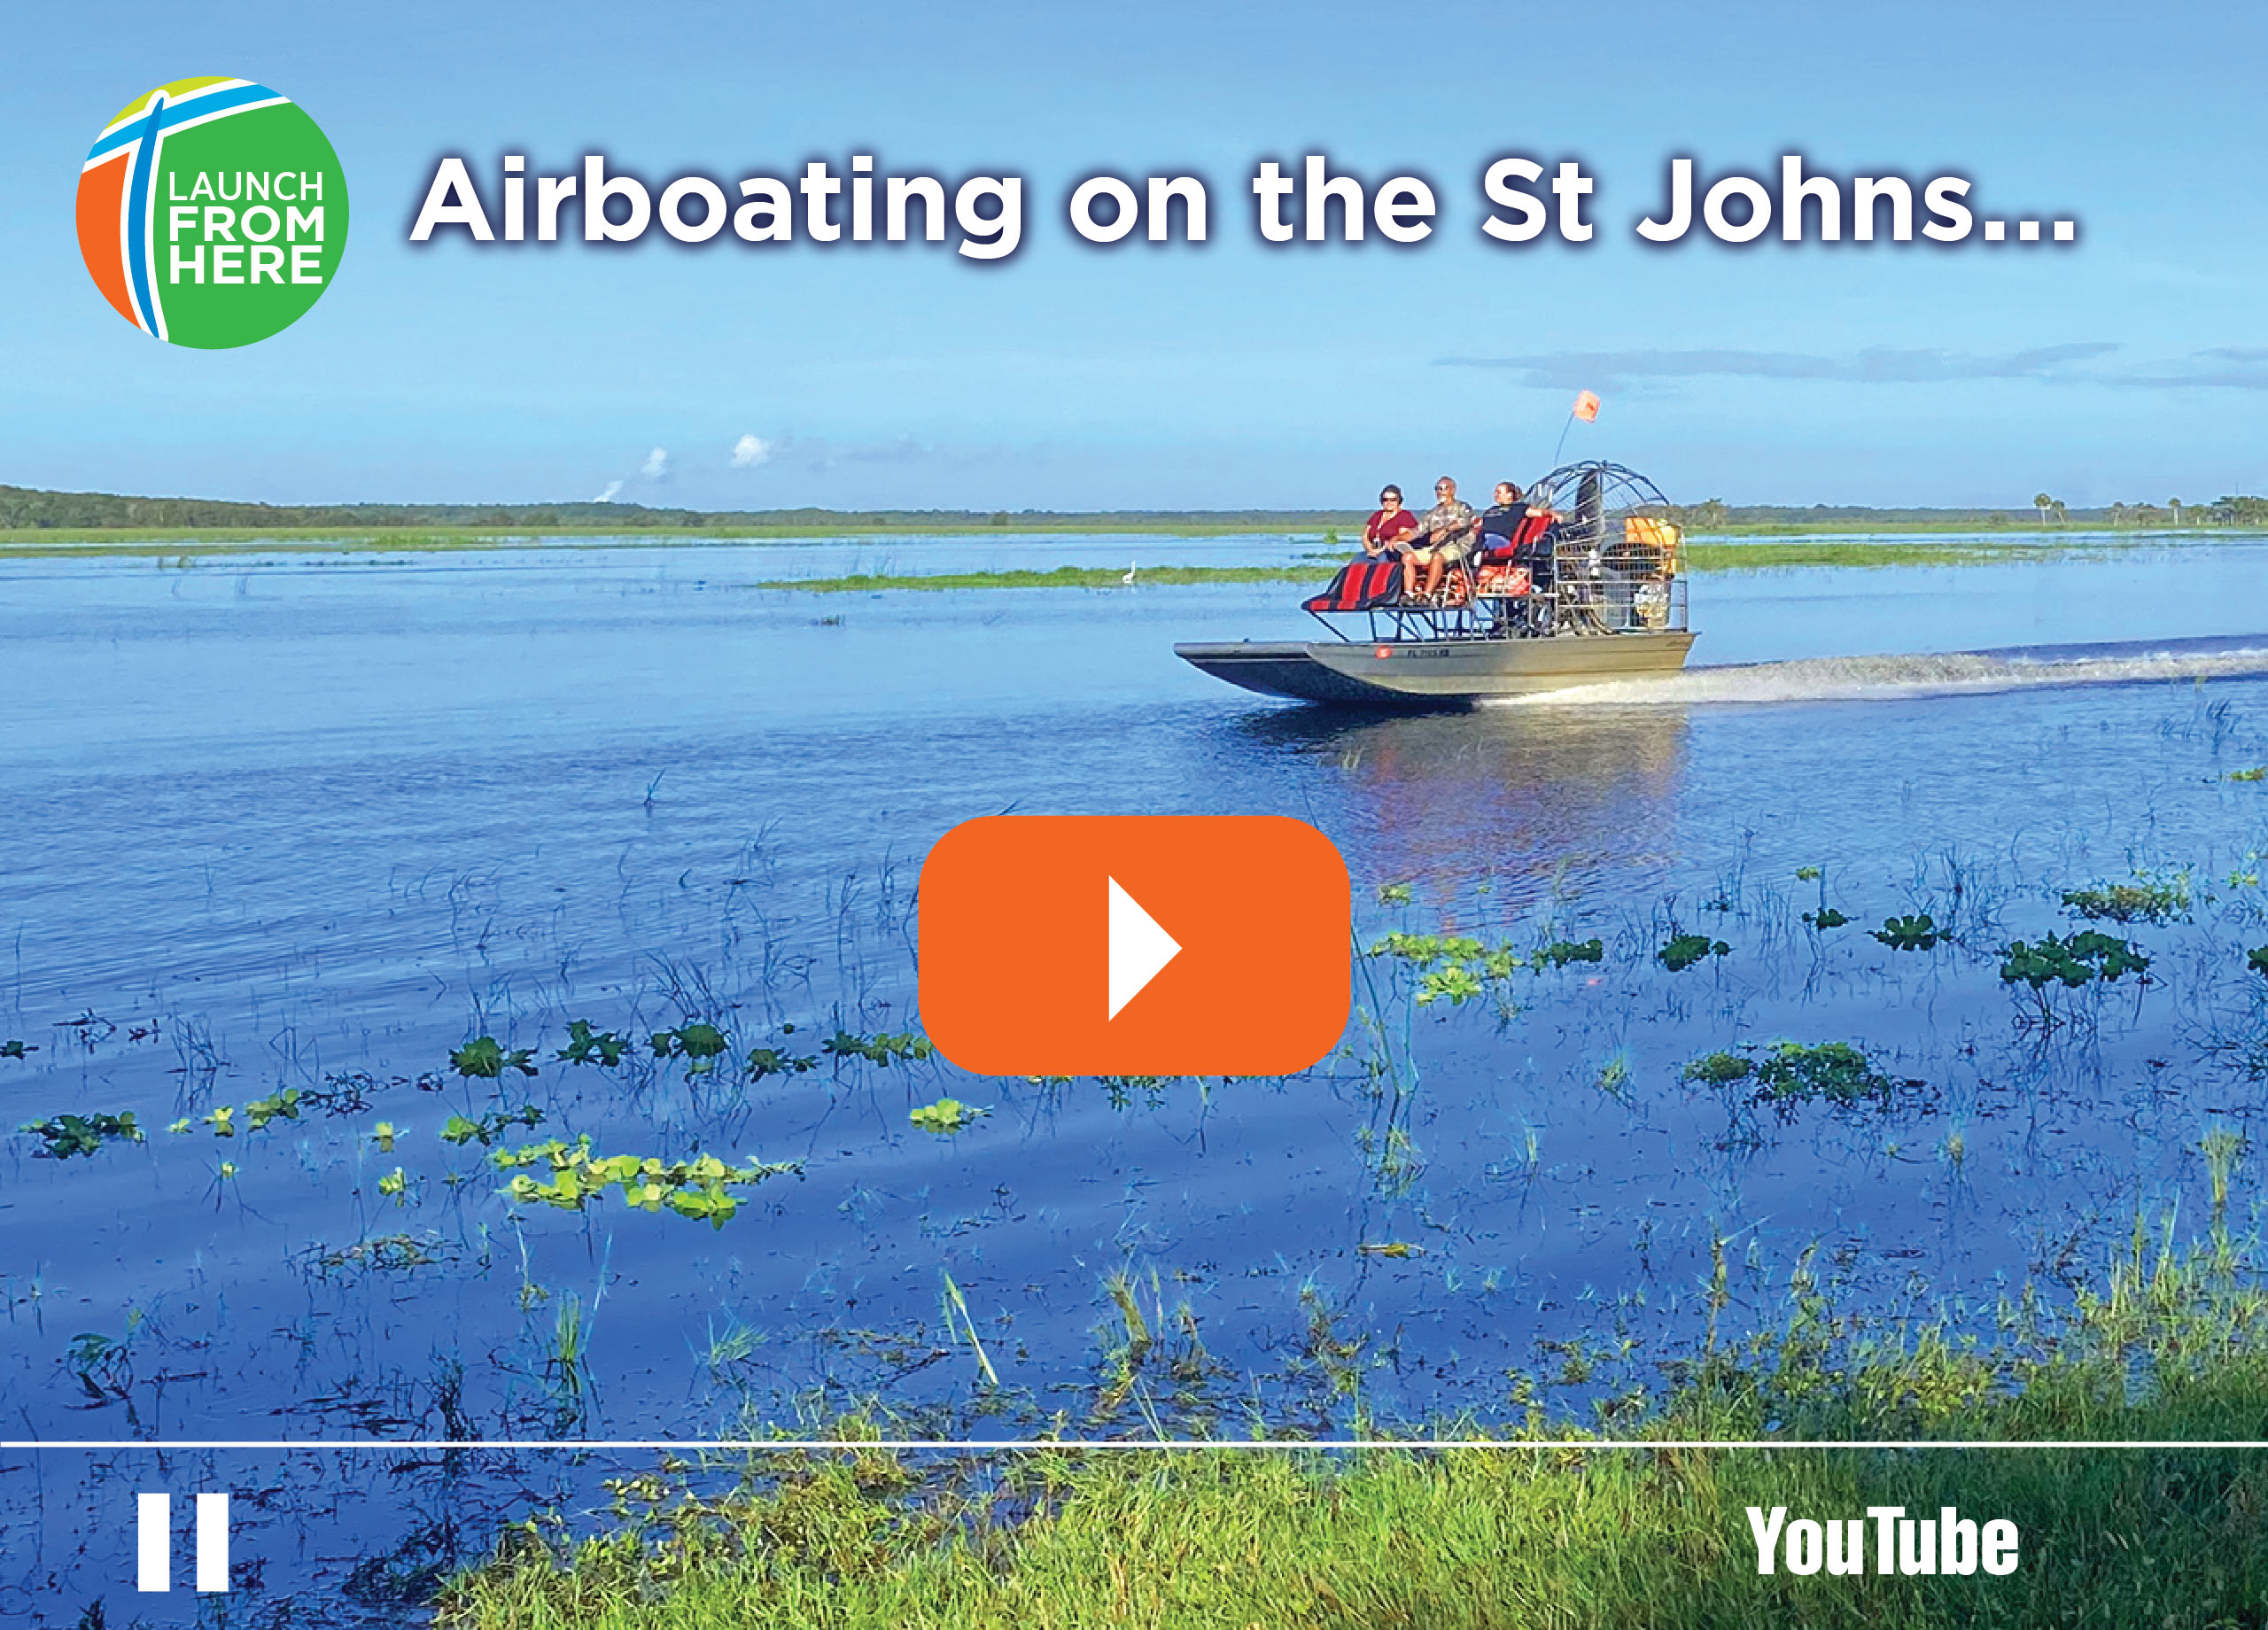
[2174, 504]
[2039, 501]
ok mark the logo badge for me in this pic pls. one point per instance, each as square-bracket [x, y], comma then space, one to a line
[1134, 945]
[212, 212]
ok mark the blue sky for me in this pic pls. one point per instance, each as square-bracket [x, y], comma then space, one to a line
[2134, 365]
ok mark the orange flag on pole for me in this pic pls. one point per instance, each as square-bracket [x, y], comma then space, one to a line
[1587, 407]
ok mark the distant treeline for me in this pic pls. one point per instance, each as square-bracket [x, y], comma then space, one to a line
[32, 509]
[28, 509]
[1716, 514]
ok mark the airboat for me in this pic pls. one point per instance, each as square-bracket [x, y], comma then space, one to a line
[1589, 586]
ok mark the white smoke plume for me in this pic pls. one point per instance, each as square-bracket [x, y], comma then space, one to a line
[656, 464]
[607, 497]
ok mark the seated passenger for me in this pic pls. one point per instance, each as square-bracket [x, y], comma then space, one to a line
[1445, 539]
[1500, 520]
[1388, 530]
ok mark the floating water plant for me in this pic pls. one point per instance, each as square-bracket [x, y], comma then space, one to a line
[2086, 956]
[2259, 772]
[484, 1059]
[69, 1135]
[2257, 959]
[1559, 953]
[395, 1184]
[1792, 1074]
[1918, 932]
[283, 1106]
[763, 1061]
[1395, 1249]
[15, 1049]
[700, 1044]
[1682, 951]
[2146, 900]
[947, 1116]
[1719, 1069]
[1451, 967]
[1825, 917]
[700, 1187]
[585, 1045]
[1456, 985]
[1395, 893]
[884, 1050]
[1424, 951]
[485, 1129]
[1789, 1074]
[383, 1135]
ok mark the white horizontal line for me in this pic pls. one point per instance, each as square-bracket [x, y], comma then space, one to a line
[1035, 1445]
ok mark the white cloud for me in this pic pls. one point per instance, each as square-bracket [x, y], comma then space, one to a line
[750, 451]
[656, 464]
[607, 497]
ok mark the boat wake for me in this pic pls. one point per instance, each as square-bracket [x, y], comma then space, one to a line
[1874, 678]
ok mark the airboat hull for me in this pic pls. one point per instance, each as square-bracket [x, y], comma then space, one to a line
[1437, 673]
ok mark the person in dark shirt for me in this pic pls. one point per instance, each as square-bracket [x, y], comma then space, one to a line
[1500, 520]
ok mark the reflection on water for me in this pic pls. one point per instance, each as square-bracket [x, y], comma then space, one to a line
[1523, 798]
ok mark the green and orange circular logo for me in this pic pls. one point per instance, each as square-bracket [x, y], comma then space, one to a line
[212, 212]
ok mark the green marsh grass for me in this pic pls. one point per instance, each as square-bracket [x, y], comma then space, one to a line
[2169, 1343]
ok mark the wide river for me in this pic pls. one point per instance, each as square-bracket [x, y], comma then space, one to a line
[281, 832]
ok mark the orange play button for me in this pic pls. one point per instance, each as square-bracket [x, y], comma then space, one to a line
[1134, 945]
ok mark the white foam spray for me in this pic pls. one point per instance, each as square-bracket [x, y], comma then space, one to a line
[1882, 678]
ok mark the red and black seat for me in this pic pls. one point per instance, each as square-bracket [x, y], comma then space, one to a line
[1522, 547]
[1361, 586]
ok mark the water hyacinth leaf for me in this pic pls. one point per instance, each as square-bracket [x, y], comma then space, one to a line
[1682, 951]
[1559, 953]
[2085, 956]
[700, 1043]
[1917, 932]
[283, 1106]
[947, 1116]
[883, 1049]
[2145, 900]
[1717, 1069]
[694, 1188]
[485, 1130]
[484, 1059]
[763, 1061]
[586, 1046]
[69, 1135]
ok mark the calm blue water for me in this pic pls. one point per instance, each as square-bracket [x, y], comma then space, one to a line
[312, 823]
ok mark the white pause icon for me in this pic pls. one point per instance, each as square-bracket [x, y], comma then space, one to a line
[153, 1538]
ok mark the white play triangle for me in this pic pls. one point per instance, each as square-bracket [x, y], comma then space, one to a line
[1140, 950]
